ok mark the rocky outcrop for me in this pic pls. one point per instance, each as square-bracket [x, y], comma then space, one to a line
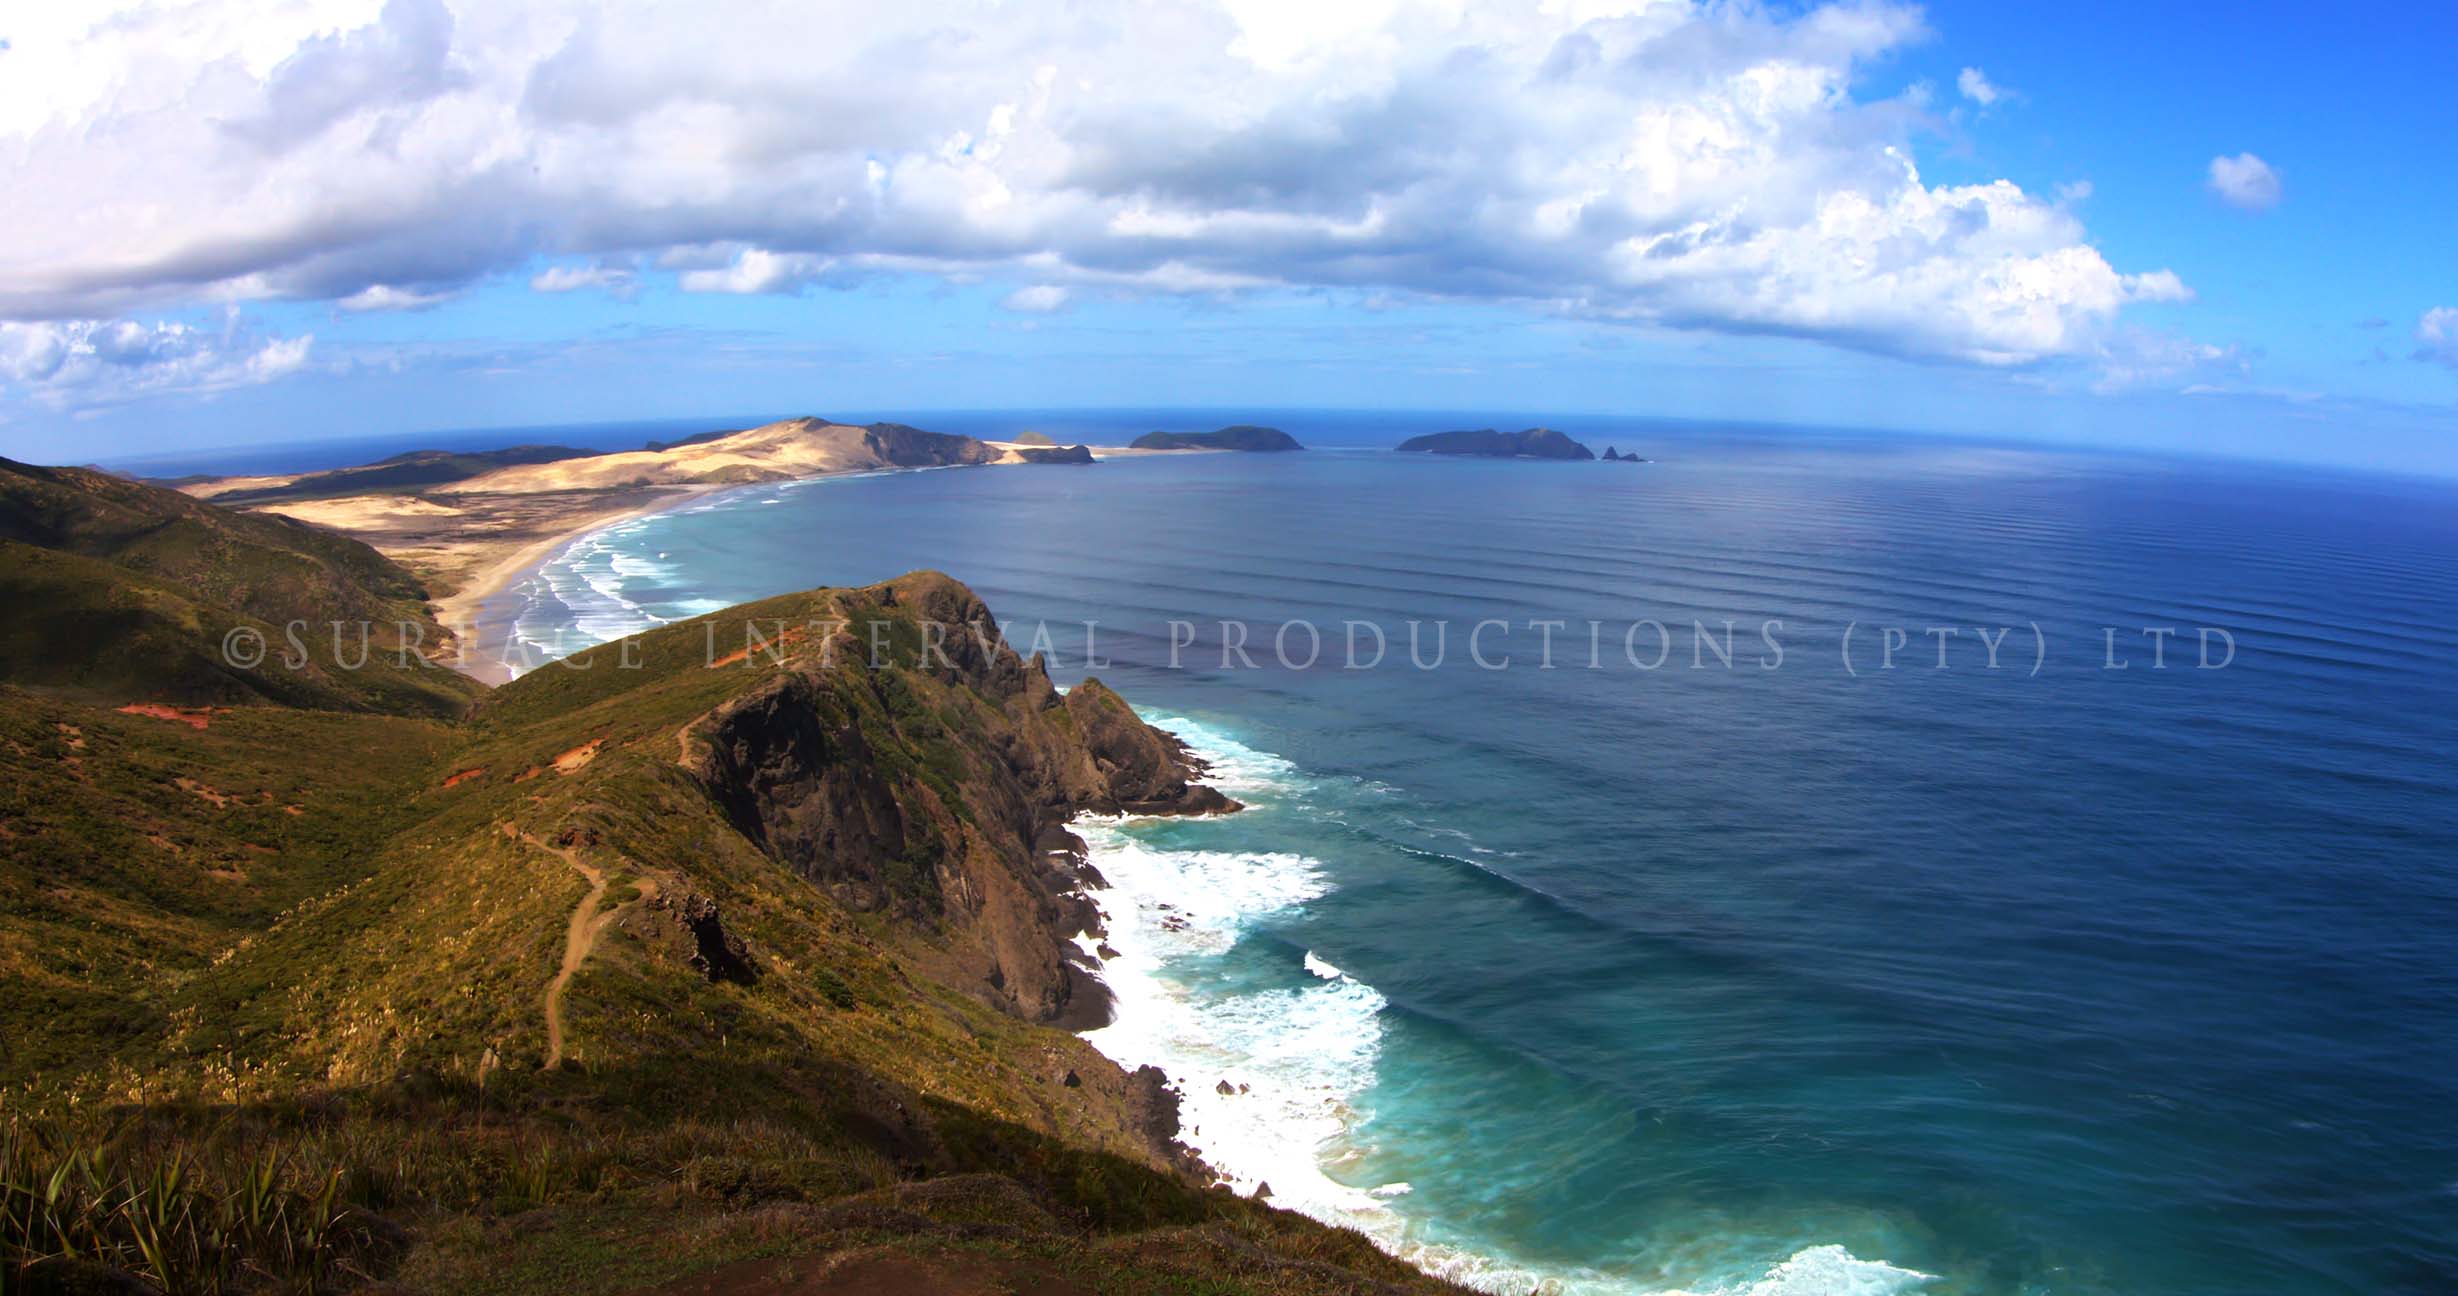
[1137, 769]
[1244, 436]
[716, 952]
[935, 784]
[1533, 443]
[911, 447]
[1074, 454]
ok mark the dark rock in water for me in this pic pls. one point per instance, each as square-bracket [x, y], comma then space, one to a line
[1242, 437]
[1074, 454]
[1225, 1089]
[1533, 443]
[1612, 455]
[1144, 769]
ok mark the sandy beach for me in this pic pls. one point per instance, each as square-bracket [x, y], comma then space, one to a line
[473, 539]
[480, 635]
[481, 567]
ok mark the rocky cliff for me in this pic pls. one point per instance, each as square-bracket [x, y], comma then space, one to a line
[940, 792]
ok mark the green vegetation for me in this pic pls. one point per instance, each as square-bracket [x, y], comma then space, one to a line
[182, 1224]
[124, 592]
[640, 968]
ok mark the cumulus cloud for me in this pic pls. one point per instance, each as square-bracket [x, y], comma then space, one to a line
[2245, 181]
[1684, 163]
[67, 363]
[386, 297]
[2436, 336]
[574, 278]
[758, 270]
[1038, 297]
[1976, 86]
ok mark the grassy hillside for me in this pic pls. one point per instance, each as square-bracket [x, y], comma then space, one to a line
[140, 847]
[694, 961]
[127, 593]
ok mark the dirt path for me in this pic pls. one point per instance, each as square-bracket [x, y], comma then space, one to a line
[580, 937]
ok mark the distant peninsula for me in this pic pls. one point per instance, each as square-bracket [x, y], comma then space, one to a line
[1241, 437]
[1486, 443]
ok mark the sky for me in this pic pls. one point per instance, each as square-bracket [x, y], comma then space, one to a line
[233, 224]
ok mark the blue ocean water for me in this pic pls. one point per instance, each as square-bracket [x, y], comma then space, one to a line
[1778, 976]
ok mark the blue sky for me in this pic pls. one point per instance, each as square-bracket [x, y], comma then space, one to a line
[339, 219]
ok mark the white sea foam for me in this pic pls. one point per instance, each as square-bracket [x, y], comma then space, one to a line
[1298, 1061]
[586, 583]
[1833, 1271]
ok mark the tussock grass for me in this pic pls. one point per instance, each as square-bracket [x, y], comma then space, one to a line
[213, 1223]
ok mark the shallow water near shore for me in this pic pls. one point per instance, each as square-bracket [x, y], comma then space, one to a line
[1822, 977]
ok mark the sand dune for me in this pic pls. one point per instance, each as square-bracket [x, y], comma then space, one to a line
[777, 452]
[363, 512]
[470, 537]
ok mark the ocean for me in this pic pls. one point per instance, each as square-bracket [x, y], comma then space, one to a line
[1772, 940]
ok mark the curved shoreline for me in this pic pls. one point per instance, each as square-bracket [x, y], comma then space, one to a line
[481, 635]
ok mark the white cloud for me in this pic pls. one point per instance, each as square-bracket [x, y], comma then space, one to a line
[2132, 359]
[103, 362]
[2245, 181]
[2436, 336]
[1672, 161]
[574, 278]
[386, 297]
[1038, 297]
[1977, 87]
[758, 270]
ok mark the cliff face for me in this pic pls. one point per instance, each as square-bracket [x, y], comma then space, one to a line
[938, 792]
[910, 447]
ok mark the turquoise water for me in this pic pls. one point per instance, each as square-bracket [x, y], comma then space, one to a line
[1729, 978]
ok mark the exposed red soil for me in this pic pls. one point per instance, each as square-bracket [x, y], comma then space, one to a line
[193, 717]
[220, 800]
[777, 647]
